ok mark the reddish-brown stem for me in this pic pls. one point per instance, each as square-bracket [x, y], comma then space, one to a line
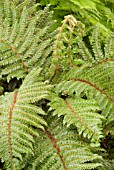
[78, 117]
[108, 59]
[74, 113]
[9, 126]
[93, 85]
[53, 141]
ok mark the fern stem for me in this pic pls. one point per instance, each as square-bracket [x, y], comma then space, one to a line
[97, 88]
[9, 128]
[109, 59]
[53, 141]
[74, 113]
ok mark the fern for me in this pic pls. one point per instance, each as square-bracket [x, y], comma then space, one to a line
[24, 38]
[65, 79]
[18, 119]
[96, 82]
[60, 148]
[93, 78]
[89, 12]
[84, 89]
[62, 54]
[107, 164]
[81, 113]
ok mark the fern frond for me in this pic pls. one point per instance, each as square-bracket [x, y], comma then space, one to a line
[60, 148]
[87, 11]
[81, 113]
[20, 4]
[95, 82]
[107, 164]
[94, 77]
[109, 49]
[19, 117]
[25, 35]
[98, 54]
[85, 53]
[99, 51]
[96, 48]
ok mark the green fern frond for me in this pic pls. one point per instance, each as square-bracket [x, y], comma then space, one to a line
[107, 164]
[95, 82]
[85, 53]
[81, 113]
[60, 148]
[93, 77]
[24, 36]
[20, 4]
[96, 48]
[109, 47]
[19, 117]
[99, 51]
[98, 54]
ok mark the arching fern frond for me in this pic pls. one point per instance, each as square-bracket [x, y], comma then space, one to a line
[91, 74]
[83, 87]
[19, 117]
[58, 147]
[24, 36]
[95, 82]
[81, 113]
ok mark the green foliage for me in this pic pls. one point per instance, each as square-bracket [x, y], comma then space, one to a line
[107, 164]
[93, 80]
[62, 110]
[90, 12]
[84, 82]
[61, 148]
[18, 118]
[81, 113]
[25, 41]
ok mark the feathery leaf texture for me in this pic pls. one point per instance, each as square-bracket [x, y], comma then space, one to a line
[58, 147]
[18, 117]
[25, 38]
[87, 11]
[81, 113]
[82, 93]
[92, 75]
[99, 53]
[95, 82]
[107, 164]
